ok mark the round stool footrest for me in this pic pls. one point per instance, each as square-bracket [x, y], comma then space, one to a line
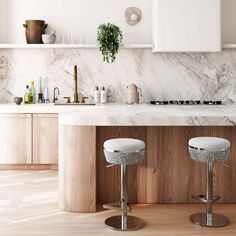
[209, 220]
[117, 206]
[202, 198]
[126, 223]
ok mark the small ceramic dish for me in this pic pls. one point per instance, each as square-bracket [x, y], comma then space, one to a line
[18, 100]
[49, 38]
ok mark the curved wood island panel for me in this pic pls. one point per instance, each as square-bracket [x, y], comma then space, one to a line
[168, 175]
[77, 168]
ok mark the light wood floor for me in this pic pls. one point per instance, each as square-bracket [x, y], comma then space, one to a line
[28, 206]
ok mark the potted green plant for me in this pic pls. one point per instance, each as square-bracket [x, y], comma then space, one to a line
[109, 38]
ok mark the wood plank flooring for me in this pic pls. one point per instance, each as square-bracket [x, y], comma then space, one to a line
[29, 207]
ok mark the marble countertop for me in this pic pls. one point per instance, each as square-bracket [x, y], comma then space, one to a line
[150, 115]
[133, 115]
[36, 108]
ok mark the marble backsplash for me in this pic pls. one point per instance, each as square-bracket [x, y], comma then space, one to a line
[160, 76]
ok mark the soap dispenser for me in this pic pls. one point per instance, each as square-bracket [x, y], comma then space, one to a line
[97, 95]
[103, 96]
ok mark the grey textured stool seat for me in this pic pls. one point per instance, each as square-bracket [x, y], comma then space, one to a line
[123, 152]
[209, 150]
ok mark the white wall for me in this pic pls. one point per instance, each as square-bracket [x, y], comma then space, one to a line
[83, 17]
[74, 16]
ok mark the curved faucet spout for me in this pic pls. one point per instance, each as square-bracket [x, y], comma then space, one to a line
[55, 98]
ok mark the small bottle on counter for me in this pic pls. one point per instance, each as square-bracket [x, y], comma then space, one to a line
[40, 94]
[45, 91]
[97, 95]
[45, 95]
[27, 95]
[32, 92]
[40, 98]
[103, 96]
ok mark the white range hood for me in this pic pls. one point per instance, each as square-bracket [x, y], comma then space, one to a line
[187, 25]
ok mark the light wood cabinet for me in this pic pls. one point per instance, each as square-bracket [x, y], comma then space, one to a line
[28, 139]
[45, 138]
[15, 139]
[186, 25]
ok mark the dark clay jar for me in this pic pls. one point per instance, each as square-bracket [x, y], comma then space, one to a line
[34, 30]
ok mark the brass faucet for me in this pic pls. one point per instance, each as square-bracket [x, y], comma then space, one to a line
[76, 95]
[54, 94]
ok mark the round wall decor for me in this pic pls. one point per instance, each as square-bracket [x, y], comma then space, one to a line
[133, 15]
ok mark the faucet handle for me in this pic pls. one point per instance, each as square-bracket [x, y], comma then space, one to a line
[83, 99]
[67, 99]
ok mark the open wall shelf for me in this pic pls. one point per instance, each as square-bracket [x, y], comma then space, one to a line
[84, 46]
[83, 20]
[66, 46]
[229, 46]
[75, 22]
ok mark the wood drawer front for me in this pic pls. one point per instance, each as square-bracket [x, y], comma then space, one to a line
[45, 138]
[15, 139]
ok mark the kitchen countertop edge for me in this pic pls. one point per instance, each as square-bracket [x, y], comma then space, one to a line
[114, 114]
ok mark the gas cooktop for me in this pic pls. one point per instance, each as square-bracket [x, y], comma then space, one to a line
[186, 102]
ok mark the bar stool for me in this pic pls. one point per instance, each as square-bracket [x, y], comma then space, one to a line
[123, 152]
[209, 150]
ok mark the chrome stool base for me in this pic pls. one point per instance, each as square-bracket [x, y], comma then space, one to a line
[124, 223]
[216, 220]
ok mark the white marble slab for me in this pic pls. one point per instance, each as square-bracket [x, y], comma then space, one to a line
[115, 114]
[161, 76]
[36, 108]
[149, 115]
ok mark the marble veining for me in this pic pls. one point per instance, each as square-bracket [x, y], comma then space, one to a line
[149, 115]
[115, 114]
[160, 76]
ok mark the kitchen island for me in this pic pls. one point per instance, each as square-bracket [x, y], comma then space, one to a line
[168, 175]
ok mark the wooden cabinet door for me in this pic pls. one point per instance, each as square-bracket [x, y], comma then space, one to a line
[45, 139]
[15, 139]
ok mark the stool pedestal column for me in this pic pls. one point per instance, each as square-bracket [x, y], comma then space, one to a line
[123, 152]
[209, 191]
[124, 196]
[124, 222]
[209, 219]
